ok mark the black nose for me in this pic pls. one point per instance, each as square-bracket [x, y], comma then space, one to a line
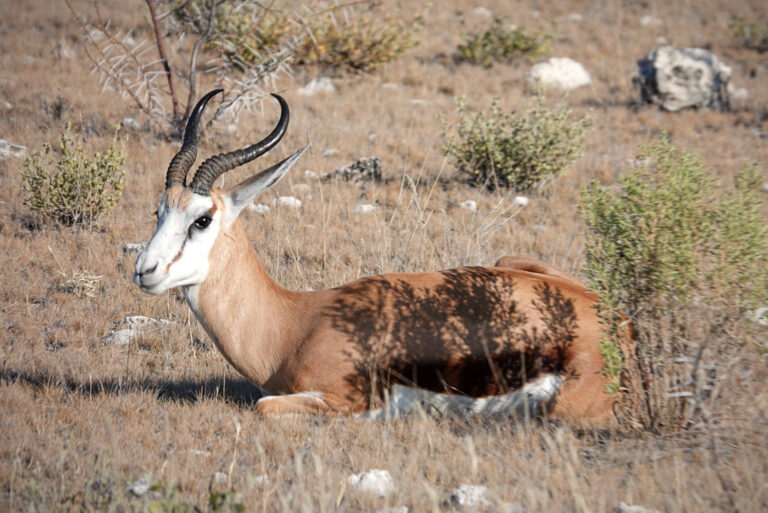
[148, 271]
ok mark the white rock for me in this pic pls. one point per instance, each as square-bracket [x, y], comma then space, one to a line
[141, 321]
[376, 482]
[330, 152]
[317, 85]
[7, 105]
[648, 20]
[575, 17]
[520, 201]
[558, 73]
[626, 508]
[678, 78]
[470, 496]
[390, 85]
[197, 452]
[11, 150]
[219, 478]
[262, 479]
[372, 137]
[419, 101]
[231, 128]
[139, 487]
[310, 175]
[470, 205]
[761, 316]
[130, 123]
[482, 12]
[661, 40]
[288, 202]
[259, 208]
[134, 249]
[121, 337]
[365, 208]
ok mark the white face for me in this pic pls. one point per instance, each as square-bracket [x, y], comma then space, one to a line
[177, 254]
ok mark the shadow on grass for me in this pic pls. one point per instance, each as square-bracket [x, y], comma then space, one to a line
[237, 391]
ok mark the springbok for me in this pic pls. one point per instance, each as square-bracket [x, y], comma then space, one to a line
[471, 331]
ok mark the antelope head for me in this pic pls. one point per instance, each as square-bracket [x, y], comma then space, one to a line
[191, 217]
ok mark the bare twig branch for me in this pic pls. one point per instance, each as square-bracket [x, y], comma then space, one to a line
[193, 59]
[164, 58]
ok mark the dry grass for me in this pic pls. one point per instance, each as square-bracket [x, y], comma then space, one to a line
[80, 419]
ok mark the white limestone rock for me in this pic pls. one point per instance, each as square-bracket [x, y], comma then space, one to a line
[375, 482]
[558, 73]
[679, 78]
[8, 150]
[317, 85]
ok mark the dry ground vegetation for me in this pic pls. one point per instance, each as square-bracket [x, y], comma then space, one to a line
[81, 420]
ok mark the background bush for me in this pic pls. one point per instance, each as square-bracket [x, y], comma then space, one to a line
[502, 42]
[511, 150]
[683, 257]
[75, 186]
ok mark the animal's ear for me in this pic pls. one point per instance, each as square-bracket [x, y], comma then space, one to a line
[246, 191]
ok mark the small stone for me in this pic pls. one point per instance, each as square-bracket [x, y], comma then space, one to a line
[196, 452]
[520, 201]
[482, 12]
[739, 94]
[262, 479]
[365, 208]
[121, 337]
[130, 123]
[558, 73]
[761, 316]
[470, 496]
[390, 85]
[219, 478]
[648, 20]
[626, 508]
[361, 171]
[576, 17]
[139, 487]
[419, 101]
[470, 205]
[141, 321]
[375, 482]
[310, 175]
[288, 202]
[318, 85]
[330, 152]
[134, 249]
[11, 150]
[259, 208]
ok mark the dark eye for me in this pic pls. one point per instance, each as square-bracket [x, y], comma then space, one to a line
[202, 222]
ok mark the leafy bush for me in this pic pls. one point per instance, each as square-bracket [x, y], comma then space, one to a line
[750, 35]
[502, 42]
[510, 150]
[336, 36]
[360, 42]
[683, 258]
[74, 187]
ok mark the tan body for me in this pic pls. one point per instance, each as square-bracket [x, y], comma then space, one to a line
[472, 331]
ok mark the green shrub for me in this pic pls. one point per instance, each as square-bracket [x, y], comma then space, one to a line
[73, 187]
[682, 257]
[511, 150]
[750, 35]
[502, 42]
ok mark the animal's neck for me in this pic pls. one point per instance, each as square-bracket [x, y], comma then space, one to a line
[251, 319]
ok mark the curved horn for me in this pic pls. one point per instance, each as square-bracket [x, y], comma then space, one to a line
[215, 166]
[183, 160]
